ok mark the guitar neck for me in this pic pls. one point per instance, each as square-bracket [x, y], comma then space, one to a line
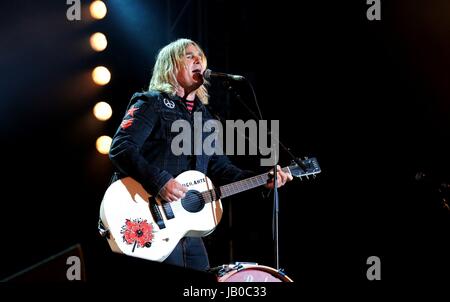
[246, 184]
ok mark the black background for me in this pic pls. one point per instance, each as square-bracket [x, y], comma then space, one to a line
[369, 99]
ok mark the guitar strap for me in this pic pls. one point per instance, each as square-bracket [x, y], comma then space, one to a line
[102, 230]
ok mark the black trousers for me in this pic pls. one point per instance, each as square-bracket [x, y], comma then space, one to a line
[191, 253]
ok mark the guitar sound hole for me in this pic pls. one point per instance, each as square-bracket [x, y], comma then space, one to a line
[193, 202]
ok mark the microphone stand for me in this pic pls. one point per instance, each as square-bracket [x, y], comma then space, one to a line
[276, 209]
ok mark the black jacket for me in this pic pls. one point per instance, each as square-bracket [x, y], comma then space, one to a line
[141, 147]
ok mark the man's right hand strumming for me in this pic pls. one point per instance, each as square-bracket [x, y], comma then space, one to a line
[172, 191]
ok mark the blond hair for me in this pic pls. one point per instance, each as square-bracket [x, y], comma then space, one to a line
[168, 62]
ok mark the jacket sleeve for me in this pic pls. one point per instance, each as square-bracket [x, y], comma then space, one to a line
[223, 171]
[125, 151]
[220, 168]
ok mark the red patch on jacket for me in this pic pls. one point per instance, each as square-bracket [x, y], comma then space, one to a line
[126, 123]
[131, 111]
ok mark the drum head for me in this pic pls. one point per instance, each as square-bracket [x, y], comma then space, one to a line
[251, 273]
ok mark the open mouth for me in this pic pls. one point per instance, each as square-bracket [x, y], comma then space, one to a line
[197, 75]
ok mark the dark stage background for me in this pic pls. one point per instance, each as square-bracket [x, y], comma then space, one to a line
[369, 99]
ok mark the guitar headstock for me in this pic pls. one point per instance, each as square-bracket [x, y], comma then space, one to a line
[311, 168]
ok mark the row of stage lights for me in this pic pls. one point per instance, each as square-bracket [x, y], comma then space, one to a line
[100, 74]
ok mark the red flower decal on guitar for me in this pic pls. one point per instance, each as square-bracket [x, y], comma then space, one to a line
[138, 232]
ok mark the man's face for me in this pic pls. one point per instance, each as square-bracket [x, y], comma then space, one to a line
[190, 71]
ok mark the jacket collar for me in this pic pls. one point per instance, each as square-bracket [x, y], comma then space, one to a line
[198, 105]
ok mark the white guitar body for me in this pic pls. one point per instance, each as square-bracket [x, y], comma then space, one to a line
[127, 201]
[139, 225]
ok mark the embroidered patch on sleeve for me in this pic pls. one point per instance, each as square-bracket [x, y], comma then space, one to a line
[131, 111]
[126, 123]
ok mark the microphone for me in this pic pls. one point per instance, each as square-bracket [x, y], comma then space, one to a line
[208, 74]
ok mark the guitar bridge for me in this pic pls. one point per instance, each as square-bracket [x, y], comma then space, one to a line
[167, 209]
[156, 213]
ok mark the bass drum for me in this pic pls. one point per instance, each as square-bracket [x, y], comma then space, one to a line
[242, 272]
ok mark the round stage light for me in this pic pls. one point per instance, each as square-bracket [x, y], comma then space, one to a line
[98, 10]
[102, 111]
[101, 75]
[98, 42]
[103, 144]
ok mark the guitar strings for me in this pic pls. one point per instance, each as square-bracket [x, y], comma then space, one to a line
[227, 190]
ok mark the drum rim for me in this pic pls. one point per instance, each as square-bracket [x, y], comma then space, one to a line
[274, 272]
